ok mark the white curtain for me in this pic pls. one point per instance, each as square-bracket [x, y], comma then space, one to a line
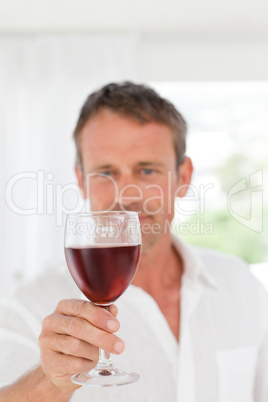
[43, 82]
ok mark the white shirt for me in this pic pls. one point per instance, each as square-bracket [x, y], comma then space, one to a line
[222, 355]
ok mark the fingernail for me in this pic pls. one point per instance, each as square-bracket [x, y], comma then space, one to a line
[113, 310]
[112, 325]
[119, 346]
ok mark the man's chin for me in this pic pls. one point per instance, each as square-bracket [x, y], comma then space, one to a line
[149, 240]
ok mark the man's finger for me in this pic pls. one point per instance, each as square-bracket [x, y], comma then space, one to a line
[80, 328]
[99, 317]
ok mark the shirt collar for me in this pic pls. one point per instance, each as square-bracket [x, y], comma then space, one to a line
[194, 267]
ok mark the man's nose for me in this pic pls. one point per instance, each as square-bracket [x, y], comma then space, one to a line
[129, 191]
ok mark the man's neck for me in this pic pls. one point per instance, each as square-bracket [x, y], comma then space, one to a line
[160, 268]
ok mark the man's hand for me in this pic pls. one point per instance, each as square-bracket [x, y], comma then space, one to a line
[71, 338]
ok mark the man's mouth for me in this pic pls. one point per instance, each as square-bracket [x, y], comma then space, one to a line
[144, 218]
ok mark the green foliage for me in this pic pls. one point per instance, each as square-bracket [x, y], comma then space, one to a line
[227, 235]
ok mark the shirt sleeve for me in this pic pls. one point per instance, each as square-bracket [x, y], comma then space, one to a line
[19, 351]
[261, 379]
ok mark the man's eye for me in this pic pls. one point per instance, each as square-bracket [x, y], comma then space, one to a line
[107, 173]
[147, 171]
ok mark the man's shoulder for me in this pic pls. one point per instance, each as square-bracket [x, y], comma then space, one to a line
[43, 291]
[23, 311]
[217, 259]
[230, 271]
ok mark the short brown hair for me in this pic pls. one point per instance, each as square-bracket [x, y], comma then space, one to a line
[138, 102]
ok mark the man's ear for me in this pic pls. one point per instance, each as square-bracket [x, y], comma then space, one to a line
[80, 180]
[184, 176]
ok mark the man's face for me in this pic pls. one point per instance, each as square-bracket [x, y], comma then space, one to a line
[129, 166]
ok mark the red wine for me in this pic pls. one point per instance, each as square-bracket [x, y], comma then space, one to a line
[103, 273]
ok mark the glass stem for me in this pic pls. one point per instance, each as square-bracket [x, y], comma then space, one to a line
[105, 361]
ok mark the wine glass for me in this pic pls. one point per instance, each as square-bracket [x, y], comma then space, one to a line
[102, 251]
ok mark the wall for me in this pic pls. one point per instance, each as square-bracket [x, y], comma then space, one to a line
[203, 57]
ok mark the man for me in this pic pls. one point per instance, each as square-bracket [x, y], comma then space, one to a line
[195, 323]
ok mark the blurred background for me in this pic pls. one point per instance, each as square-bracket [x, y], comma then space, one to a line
[209, 58]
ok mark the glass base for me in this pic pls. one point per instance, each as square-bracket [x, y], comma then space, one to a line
[105, 378]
